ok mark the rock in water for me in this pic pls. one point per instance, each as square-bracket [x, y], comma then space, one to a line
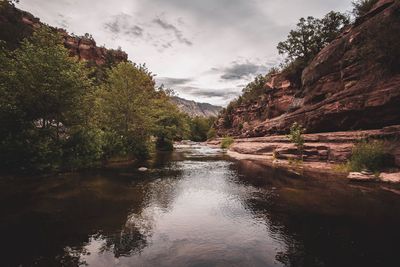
[361, 177]
[143, 169]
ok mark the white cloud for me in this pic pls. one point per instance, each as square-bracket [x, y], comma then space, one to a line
[201, 39]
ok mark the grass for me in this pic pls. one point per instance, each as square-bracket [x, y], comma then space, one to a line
[370, 155]
[226, 142]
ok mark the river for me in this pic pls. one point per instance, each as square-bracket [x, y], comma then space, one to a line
[196, 207]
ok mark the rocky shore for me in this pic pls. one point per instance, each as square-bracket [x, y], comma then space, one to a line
[323, 152]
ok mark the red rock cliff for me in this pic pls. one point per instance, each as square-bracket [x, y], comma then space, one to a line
[16, 24]
[344, 88]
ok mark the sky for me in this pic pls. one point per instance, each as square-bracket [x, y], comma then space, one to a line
[205, 50]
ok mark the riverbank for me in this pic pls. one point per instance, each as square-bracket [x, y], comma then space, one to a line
[324, 153]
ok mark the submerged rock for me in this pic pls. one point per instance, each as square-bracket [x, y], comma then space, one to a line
[361, 177]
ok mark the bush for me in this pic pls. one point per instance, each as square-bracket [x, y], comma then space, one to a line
[296, 136]
[83, 149]
[227, 142]
[211, 134]
[372, 155]
[164, 145]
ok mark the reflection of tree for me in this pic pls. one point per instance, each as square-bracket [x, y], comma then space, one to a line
[128, 242]
[55, 218]
[323, 221]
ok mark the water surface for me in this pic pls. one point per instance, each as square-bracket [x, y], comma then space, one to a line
[196, 207]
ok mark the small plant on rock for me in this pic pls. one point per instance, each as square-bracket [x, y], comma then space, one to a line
[296, 136]
[227, 142]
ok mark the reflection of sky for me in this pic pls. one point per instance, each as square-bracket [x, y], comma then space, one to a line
[202, 217]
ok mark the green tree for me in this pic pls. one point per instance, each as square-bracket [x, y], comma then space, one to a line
[170, 123]
[254, 89]
[124, 110]
[311, 35]
[41, 89]
[199, 128]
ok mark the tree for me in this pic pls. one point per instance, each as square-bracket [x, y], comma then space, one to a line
[124, 108]
[254, 89]
[41, 90]
[311, 35]
[199, 128]
[170, 123]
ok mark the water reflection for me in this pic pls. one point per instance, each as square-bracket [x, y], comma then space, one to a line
[196, 208]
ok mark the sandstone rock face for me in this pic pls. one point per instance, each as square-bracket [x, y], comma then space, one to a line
[86, 50]
[342, 89]
[16, 25]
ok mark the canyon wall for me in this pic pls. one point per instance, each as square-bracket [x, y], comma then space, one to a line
[352, 84]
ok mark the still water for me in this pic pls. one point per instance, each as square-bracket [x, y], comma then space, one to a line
[196, 207]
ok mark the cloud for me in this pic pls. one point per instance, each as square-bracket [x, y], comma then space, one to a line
[62, 21]
[239, 71]
[122, 24]
[226, 93]
[172, 82]
[183, 85]
[178, 33]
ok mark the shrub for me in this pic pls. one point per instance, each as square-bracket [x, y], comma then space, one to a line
[227, 142]
[164, 145]
[372, 155]
[296, 137]
[211, 134]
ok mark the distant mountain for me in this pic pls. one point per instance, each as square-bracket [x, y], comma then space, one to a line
[195, 109]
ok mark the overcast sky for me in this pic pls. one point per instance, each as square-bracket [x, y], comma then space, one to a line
[206, 50]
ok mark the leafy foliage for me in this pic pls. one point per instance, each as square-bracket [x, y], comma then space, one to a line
[124, 109]
[200, 128]
[254, 89]
[310, 36]
[55, 118]
[227, 142]
[372, 155]
[170, 124]
[41, 89]
[296, 136]
[211, 133]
